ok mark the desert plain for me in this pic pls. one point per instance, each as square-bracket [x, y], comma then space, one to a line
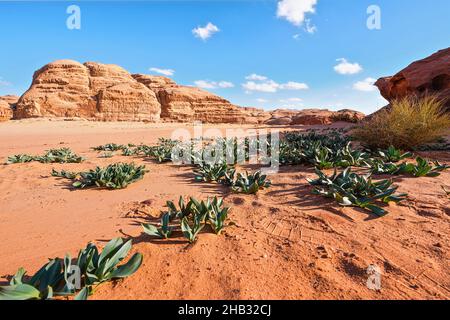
[283, 243]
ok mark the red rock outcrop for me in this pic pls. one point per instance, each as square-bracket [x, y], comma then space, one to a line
[67, 88]
[185, 103]
[96, 91]
[7, 104]
[428, 76]
[312, 116]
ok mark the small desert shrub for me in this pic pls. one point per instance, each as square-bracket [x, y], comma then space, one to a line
[110, 147]
[408, 123]
[114, 176]
[62, 155]
[351, 189]
[422, 168]
[53, 278]
[250, 183]
[191, 218]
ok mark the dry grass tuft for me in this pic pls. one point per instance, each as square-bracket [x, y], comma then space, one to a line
[408, 123]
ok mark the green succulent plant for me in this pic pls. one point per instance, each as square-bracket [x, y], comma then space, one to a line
[423, 168]
[393, 154]
[210, 172]
[192, 229]
[114, 176]
[250, 183]
[64, 174]
[98, 267]
[19, 158]
[351, 189]
[110, 147]
[164, 231]
[217, 215]
[53, 279]
[62, 155]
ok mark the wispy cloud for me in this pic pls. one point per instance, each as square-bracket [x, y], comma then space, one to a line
[260, 100]
[367, 85]
[205, 32]
[255, 77]
[309, 27]
[346, 67]
[264, 84]
[295, 11]
[206, 84]
[166, 72]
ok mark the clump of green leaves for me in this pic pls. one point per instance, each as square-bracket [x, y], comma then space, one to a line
[64, 174]
[210, 172]
[110, 147]
[62, 155]
[114, 176]
[422, 168]
[20, 158]
[164, 231]
[190, 218]
[393, 154]
[55, 277]
[250, 183]
[351, 189]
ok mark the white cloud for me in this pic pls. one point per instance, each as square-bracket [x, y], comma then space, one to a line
[291, 100]
[309, 27]
[265, 84]
[367, 85]
[296, 36]
[166, 72]
[256, 77]
[206, 84]
[294, 11]
[205, 32]
[291, 85]
[345, 67]
[260, 100]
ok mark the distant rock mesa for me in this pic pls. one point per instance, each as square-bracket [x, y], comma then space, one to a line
[105, 92]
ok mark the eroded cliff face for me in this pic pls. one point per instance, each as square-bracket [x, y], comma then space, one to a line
[7, 105]
[105, 92]
[427, 76]
[66, 88]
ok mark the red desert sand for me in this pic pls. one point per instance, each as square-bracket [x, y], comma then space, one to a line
[285, 243]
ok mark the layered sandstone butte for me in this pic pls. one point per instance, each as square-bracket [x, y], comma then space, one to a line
[186, 104]
[66, 88]
[7, 104]
[105, 92]
[428, 76]
[96, 91]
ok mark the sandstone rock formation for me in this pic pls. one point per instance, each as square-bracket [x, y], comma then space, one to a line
[186, 104]
[96, 91]
[312, 116]
[428, 76]
[7, 104]
[66, 88]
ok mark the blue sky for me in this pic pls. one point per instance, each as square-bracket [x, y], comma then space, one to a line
[269, 53]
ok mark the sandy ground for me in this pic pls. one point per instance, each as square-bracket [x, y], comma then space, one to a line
[285, 242]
